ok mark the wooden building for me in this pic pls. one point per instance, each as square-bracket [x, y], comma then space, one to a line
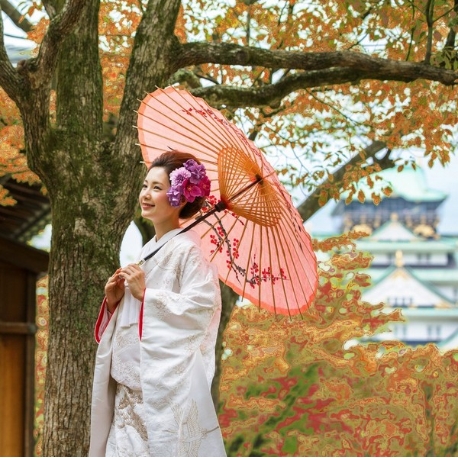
[20, 267]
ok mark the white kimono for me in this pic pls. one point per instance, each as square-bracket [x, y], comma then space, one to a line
[151, 394]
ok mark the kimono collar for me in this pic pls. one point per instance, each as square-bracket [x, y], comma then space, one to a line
[153, 244]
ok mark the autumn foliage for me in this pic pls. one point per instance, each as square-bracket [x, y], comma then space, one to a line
[305, 387]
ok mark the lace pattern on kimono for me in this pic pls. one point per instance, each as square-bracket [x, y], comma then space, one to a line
[128, 435]
[188, 429]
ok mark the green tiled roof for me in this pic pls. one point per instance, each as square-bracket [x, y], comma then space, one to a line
[421, 246]
[425, 312]
[433, 275]
[437, 275]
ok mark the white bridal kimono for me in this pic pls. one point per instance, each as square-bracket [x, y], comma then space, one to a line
[151, 394]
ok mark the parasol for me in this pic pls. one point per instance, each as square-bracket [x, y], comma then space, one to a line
[249, 226]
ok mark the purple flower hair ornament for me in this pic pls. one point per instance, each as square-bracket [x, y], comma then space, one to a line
[189, 181]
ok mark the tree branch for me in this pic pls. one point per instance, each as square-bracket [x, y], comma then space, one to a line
[311, 205]
[362, 66]
[16, 17]
[146, 71]
[429, 11]
[8, 78]
[450, 41]
[39, 70]
[272, 94]
[185, 76]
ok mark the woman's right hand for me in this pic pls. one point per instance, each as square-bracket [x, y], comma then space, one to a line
[114, 290]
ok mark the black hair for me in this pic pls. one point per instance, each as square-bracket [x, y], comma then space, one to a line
[170, 161]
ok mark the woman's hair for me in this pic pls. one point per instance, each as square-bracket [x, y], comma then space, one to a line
[170, 161]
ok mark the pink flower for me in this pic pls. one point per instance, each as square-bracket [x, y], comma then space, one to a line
[189, 181]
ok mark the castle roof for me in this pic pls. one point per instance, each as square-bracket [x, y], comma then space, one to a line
[434, 275]
[418, 246]
[404, 282]
[393, 230]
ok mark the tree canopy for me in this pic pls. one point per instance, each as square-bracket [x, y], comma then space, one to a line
[332, 87]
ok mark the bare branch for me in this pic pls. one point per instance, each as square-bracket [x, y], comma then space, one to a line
[311, 205]
[362, 66]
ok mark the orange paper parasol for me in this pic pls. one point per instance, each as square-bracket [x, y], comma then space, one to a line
[250, 227]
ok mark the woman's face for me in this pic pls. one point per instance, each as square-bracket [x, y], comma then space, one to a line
[154, 201]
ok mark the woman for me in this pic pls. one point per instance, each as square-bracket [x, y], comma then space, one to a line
[157, 330]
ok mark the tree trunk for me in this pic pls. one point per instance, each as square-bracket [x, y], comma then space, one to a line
[72, 298]
[93, 188]
[82, 254]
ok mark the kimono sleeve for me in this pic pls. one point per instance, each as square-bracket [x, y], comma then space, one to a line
[177, 321]
[103, 319]
[191, 304]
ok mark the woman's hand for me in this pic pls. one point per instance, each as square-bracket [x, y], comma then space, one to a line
[135, 278]
[114, 290]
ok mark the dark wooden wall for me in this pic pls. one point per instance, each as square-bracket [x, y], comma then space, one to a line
[20, 267]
